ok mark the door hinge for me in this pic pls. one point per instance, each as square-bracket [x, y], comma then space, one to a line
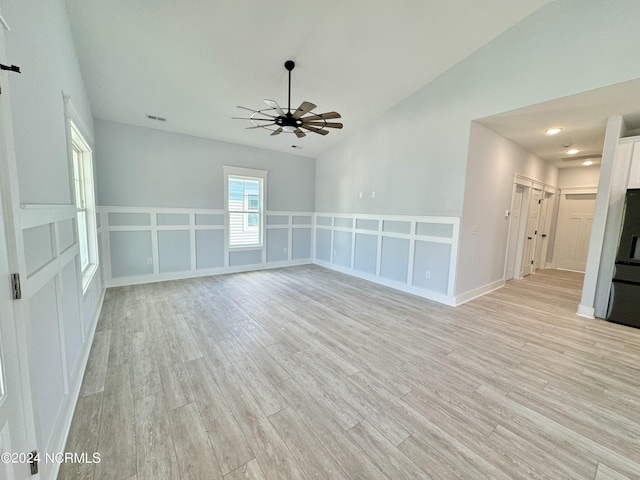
[536, 232]
[539, 201]
[33, 462]
[15, 286]
[531, 262]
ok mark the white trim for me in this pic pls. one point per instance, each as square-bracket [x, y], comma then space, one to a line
[37, 215]
[192, 228]
[63, 426]
[537, 184]
[412, 236]
[585, 311]
[79, 138]
[205, 272]
[579, 190]
[403, 287]
[478, 292]
[246, 173]
[634, 139]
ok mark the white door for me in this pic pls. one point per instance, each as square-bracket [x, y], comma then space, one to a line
[15, 429]
[542, 233]
[12, 428]
[575, 218]
[514, 229]
[531, 233]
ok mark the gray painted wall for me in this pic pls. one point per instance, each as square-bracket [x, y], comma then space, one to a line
[40, 42]
[143, 167]
[579, 176]
[414, 156]
[493, 162]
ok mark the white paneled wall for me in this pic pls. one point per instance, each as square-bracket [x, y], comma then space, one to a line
[60, 319]
[414, 254]
[143, 244]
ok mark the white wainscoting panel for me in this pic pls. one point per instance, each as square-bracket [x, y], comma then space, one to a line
[60, 319]
[413, 254]
[144, 244]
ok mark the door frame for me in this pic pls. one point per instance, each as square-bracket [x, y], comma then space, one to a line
[529, 184]
[587, 190]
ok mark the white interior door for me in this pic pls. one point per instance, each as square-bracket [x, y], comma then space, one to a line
[533, 216]
[542, 233]
[16, 432]
[12, 427]
[514, 229]
[575, 218]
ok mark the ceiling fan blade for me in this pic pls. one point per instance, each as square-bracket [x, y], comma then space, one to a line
[250, 118]
[299, 133]
[273, 104]
[277, 132]
[305, 107]
[324, 124]
[256, 111]
[323, 116]
[314, 129]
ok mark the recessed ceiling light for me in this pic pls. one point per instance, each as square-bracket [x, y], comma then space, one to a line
[586, 163]
[573, 151]
[553, 131]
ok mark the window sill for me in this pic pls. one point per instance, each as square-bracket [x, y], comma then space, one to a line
[87, 277]
[242, 248]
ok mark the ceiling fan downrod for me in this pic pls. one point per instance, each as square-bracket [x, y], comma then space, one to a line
[289, 65]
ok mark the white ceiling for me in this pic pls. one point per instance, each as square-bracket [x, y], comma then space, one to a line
[582, 117]
[193, 61]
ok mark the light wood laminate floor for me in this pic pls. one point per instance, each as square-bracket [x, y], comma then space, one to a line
[305, 373]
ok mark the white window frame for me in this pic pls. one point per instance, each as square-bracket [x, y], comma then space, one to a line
[83, 197]
[247, 174]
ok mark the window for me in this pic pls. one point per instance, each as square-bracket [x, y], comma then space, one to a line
[244, 204]
[82, 166]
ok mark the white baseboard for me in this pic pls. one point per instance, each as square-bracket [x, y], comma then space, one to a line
[403, 287]
[478, 292]
[585, 311]
[165, 277]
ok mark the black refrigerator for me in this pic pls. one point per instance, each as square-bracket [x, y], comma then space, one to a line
[624, 304]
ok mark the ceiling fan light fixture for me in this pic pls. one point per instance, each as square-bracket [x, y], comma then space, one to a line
[277, 120]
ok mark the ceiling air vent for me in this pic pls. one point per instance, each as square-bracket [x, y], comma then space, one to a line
[156, 118]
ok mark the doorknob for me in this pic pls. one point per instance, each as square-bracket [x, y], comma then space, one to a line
[544, 235]
[528, 238]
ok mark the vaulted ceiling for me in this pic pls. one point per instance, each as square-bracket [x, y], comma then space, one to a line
[193, 61]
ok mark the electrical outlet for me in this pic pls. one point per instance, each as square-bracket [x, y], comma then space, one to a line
[475, 230]
[284, 250]
[427, 274]
[360, 195]
[149, 261]
[373, 194]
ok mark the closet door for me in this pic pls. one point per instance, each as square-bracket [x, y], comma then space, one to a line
[575, 219]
